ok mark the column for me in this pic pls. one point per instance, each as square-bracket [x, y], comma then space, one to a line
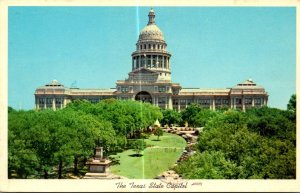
[166, 102]
[170, 103]
[140, 61]
[53, 103]
[234, 101]
[163, 61]
[65, 102]
[45, 103]
[213, 104]
[252, 101]
[178, 105]
[36, 106]
[61, 102]
[265, 101]
[151, 59]
[36, 103]
[231, 103]
[132, 63]
[160, 62]
[243, 103]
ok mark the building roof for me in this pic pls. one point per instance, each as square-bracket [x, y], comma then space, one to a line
[247, 84]
[91, 92]
[205, 91]
[54, 83]
[209, 90]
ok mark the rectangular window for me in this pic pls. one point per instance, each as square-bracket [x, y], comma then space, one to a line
[238, 101]
[257, 101]
[189, 101]
[225, 101]
[124, 89]
[58, 101]
[161, 100]
[175, 102]
[248, 101]
[204, 102]
[49, 100]
[218, 102]
[41, 101]
[161, 89]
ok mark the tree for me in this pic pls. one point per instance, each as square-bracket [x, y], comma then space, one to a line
[291, 106]
[171, 117]
[208, 165]
[272, 122]
[190, 113]
[127, 117]
[158, 132]
[203, 116]
[138, 146]
[85, 130]
[10, 109]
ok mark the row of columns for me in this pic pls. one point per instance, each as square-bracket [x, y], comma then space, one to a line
[233, 104]
[155, 61]
[150, 47]
[53, 103]
[168, 101]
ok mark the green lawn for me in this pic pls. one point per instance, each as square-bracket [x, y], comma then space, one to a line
[159, 157]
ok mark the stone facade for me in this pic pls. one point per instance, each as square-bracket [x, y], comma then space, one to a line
[150, 81]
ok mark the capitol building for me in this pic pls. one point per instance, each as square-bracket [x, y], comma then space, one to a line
[150, 81]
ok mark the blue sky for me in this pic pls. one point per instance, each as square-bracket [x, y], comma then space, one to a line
[211, 47]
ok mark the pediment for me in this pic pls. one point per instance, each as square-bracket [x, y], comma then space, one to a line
[143, 71]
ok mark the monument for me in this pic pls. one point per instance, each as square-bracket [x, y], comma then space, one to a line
[98, 167]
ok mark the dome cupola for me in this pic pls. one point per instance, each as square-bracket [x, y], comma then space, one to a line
[151, 31]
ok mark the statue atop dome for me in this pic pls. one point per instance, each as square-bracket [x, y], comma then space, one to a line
[151, 16]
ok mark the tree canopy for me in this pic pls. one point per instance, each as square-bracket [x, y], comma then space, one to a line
[257, 144]
[291, 106]
[43, 142]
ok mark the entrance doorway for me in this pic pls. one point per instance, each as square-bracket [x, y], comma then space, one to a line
[143, 96]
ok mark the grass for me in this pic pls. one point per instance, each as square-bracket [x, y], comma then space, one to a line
[159, 156]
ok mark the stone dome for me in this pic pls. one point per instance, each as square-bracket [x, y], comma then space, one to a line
[151, 31]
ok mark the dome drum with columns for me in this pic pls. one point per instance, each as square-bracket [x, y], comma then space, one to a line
[150, 81]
